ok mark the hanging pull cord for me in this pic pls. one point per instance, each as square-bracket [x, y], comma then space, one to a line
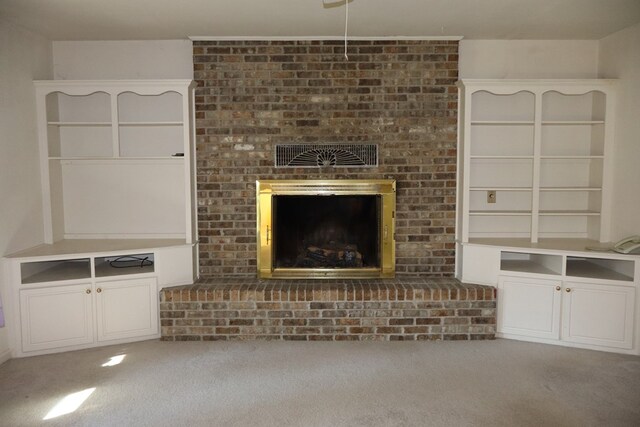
[346, 27]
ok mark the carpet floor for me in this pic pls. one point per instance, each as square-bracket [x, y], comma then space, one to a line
[483, 383]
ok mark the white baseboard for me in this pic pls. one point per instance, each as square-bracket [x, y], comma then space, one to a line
[4, 356]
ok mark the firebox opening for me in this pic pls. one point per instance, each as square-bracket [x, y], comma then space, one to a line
[327, 231]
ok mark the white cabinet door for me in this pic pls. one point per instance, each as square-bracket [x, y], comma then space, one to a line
[529, 307]
[127, 308]
[56, 317]
[598, 314]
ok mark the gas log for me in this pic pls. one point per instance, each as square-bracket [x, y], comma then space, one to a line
[333, 255]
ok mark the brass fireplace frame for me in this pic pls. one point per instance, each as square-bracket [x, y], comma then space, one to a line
[266, 189]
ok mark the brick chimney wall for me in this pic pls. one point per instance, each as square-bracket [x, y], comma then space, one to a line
[398, 94]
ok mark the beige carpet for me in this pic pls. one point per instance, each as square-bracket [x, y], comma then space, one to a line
[492, 383]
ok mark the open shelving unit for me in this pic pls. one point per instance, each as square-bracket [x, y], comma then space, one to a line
[112, 148]
[542, 147]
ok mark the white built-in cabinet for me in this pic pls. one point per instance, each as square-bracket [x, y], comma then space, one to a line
[56, 317]
[535, 158]
[117, 159]
[568, 298]
[118, 185]
[534, 195]
[66, 301]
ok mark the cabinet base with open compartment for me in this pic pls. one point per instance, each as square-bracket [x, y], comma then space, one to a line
[558, 292]
[74, 294]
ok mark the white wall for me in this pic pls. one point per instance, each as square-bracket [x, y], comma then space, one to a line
[155, 59]
[620, 59]
[173, 59]
[539, 59]
[24, 57]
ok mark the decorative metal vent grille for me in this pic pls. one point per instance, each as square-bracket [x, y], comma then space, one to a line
[323, 155]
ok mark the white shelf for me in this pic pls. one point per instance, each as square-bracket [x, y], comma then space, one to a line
[501, 157]
[569, 213]
[570, 188]
[150, 123]
[500, 189]
[54, 271]
[502, 123]
[523, 262]
[499, 213]
[572, 122]
[124, 265]
[525, 266]
[95, 246]
[600, 268]
[576, 157]
[79, 124]
[118, 159]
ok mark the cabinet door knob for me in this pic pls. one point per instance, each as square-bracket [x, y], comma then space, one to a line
[568, 289]
[88, 291]
[99, 290]
[558, 288]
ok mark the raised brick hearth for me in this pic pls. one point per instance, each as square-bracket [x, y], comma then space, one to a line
[382, 310]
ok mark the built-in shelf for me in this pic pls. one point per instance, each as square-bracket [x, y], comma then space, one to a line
[569, 213]
[575, 266]
[570, 188]
[501, 157]
[571, 157]
[600, 268]
[502, 123]
[118, 159]
[500, 189]
[121, 265]
[522, 262]
[542, 146]
[79, 124]
[71, 247]
[571, 122]
[524, 266]
[500, 213]
[150, 123]
[53, 271]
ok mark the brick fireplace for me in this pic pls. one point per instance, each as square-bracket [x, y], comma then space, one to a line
[399, 96]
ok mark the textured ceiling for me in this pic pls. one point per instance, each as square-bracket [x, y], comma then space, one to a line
[179, 19]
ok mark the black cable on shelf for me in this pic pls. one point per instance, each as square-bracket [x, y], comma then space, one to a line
[130, 261]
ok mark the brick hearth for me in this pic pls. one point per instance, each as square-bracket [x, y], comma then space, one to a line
[381, 310]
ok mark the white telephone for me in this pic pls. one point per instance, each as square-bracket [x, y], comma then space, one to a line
[629, 245]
